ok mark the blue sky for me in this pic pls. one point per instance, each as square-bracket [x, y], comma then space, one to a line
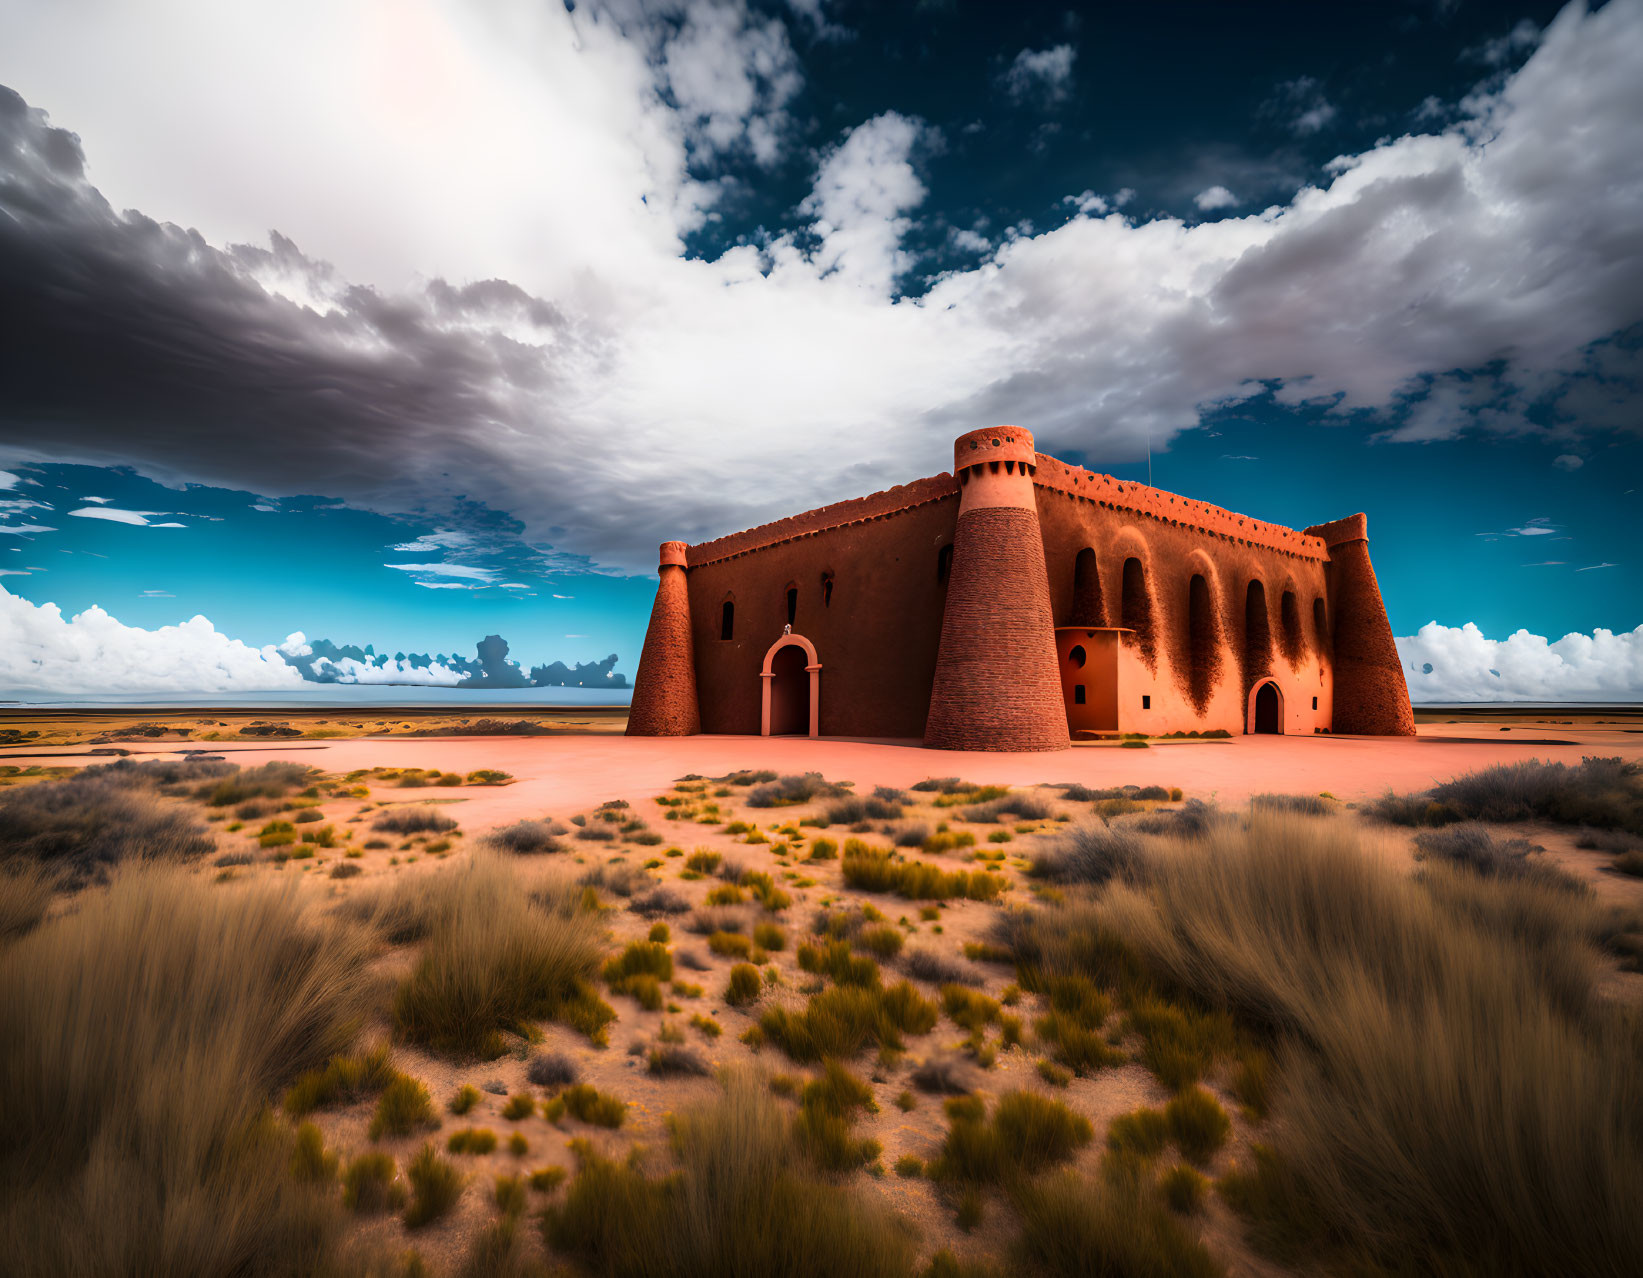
[429, 322]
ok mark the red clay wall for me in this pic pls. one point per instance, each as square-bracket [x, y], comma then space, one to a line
[1190, 687]
[876, 640]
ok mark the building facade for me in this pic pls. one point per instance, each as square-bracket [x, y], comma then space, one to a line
[1018, 604]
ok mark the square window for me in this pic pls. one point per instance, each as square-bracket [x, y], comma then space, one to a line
[1078, 694]
[1146, 703]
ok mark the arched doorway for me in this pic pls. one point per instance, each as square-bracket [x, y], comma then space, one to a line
[1266, 708]
[792, 688]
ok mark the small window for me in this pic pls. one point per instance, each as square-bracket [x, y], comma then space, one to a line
[944, 564]
[1077, 656]
[1078, 694]
[1146, 703]
[727, 620]
[792, 604]
[827, 590]
[1314, 703]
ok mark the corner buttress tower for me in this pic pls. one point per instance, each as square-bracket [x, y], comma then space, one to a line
[664, 687]
[997, 685]
[1371, 695]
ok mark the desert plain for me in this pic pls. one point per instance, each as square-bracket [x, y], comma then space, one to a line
[486, 993]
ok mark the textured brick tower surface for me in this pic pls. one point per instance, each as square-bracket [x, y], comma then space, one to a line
[664, 688]
[1371, 695]
[997, 683]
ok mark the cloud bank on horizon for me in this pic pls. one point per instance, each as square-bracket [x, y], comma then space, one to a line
[44, 653]
[535, 336]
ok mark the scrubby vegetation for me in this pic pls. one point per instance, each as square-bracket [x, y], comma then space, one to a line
[141, 1038]
[788, 790]
[85, 825]
[496, 959]
[421, 819]
[1091, 852]
[527, 838]
[1600, 793]
[843, 1019]
[1440, 1037]
[742, 1203]
[880, 870]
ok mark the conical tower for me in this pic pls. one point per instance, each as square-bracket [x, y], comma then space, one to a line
[997, 686]
[664, 688]
[1371, 694]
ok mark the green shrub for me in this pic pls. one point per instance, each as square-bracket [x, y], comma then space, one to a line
[518, 1146]
[843, 1019]
[742, 1202]
[1114, 1224]
[1141, 1134]
[403, 1107]
[745, 985]
[467, 1096]
[706, 1026]
[435, 1187]
[909, 1167]
[1026, 1134]
[471, 1140]
[1183, 1189]
[769, 936]
[547, 1179]
[835, 959]
[822, 850]
[344, 1080]
[877, 870]
[639, 971]
[309, 1159]
[590, 1105]
[1197, 1124]
[659, 933]
[1053, 1074]
[369, 1184]
[885, 940]
[520, 1105]
[827, 1108]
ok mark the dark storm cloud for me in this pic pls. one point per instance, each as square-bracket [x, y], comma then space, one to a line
[131, 339]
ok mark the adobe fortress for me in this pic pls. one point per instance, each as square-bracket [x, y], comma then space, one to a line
[1014, 605]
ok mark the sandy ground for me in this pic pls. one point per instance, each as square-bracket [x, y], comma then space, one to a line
[566, 773]
[562, 776]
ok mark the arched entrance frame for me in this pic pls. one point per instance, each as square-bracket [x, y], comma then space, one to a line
[1249, 710]
[766, 675]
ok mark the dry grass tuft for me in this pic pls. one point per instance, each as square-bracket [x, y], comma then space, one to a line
[741, 1203]
[25, 896]
[1091, 852]
[496, 960]
[142, 1038]
[1452, 1094]
[85, 825]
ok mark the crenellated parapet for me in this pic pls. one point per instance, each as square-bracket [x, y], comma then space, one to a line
[1154, 503]
[842, 514]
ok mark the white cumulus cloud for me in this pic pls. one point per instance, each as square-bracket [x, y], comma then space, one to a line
[1460, 663]
[1043, 74]
[41, 651]
[1215, 197]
